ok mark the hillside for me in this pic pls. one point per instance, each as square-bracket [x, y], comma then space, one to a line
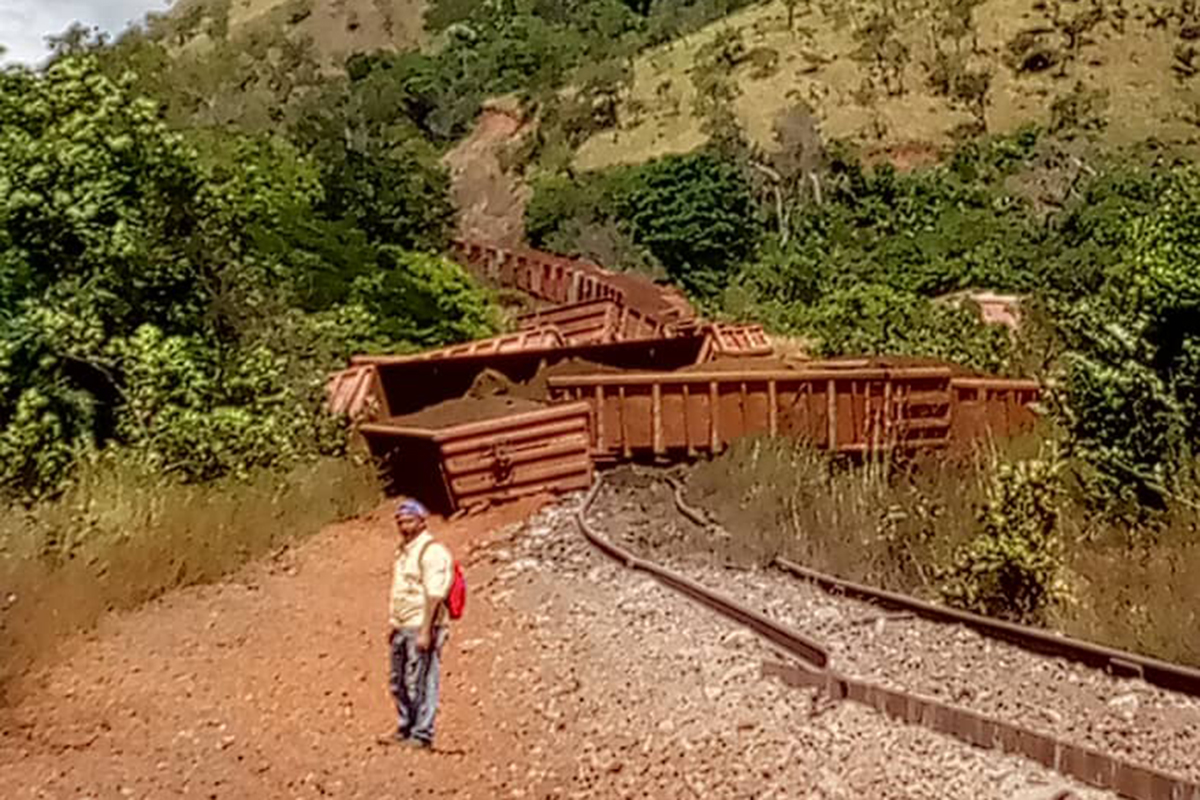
[891, 75]
[337, 28]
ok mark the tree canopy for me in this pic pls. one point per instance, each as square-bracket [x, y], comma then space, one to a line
[184, 293]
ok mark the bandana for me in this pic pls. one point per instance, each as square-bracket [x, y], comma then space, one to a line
[412, 508]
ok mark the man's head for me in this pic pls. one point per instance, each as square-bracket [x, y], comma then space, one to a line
[410, 518]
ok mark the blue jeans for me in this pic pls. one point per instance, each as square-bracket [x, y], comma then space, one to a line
[414, 682]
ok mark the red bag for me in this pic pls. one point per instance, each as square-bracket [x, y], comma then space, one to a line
[456, 600]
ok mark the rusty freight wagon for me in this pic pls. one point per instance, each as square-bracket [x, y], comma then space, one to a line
[473, 464]
[596, 321]
[846, 410]
[562, 280]
[407, 385]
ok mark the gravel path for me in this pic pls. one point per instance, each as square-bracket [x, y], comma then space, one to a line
[662, 698]
[1130, 718]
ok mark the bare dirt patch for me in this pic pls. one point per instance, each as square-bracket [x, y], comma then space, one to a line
[273, 684]
[490, 198]
[569, 678]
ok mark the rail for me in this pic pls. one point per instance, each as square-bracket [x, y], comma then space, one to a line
[1085, 764]
[793, 642]
[1173, 677]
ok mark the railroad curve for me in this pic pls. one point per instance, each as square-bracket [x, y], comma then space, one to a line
[1084, 747]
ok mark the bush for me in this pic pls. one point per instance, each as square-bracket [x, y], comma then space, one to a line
[425, 299]
[877, 320]
[185, 295]
[1131, 369]
[694, 213]
[1014, 568]
[879, 524]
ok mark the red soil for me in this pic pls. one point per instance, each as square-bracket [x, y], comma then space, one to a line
[273, 684]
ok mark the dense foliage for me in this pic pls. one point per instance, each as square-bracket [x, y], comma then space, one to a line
[1134, 362]
[1014, 566]
[184, 294]
[694, 215]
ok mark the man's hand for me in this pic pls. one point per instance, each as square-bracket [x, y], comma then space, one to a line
[424, 638]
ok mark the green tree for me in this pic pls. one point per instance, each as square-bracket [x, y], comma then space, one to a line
[1133, 372]
[183, 294]
[440, 303]
[695, 213]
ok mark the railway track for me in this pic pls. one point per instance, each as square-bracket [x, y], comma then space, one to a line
[908, 680]
[1121, 663]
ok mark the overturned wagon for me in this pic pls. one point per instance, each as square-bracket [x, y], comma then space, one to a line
[837, 409]
[596, 322]
[459, 467]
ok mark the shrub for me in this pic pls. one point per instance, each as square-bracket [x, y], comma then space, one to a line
[694, 213]
[1014, 567]
[877, 320]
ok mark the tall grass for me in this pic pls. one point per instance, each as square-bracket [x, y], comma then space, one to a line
[121, 536]
[862, 521]
[901, 527]
[1138, 590]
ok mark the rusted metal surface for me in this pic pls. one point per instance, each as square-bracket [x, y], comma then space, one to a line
[992, 406]
[843, 410]
[412, 384]
[1160, 673]
[589, 322]
[534, 338]
[543, 275]
[726, 340]
[687, 413]
[570, 280]
[1089, 766]
[356, 393]
[475, 464]
[790, 641]
[597, 321]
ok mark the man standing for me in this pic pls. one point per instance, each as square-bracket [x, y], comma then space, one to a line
[420, 583]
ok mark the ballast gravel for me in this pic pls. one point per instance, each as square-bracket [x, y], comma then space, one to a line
[1129, 718]
[658, 697]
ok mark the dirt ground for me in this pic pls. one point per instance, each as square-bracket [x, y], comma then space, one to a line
[491, 200]
[273, 684]
[569, 677]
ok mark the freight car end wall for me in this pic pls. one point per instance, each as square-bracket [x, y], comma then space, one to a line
[596, 321]
[476, 463]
